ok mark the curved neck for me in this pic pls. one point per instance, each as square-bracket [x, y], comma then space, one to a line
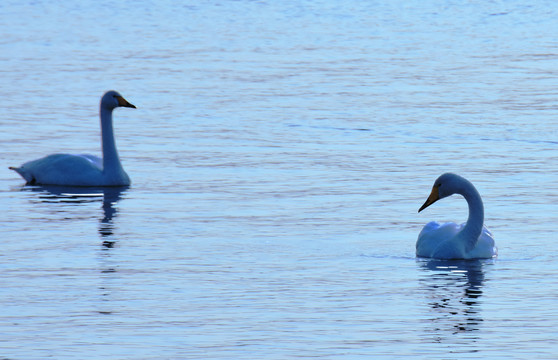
[473, 228]
[111, 162]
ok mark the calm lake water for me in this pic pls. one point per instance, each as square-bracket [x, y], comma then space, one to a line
[279, 153]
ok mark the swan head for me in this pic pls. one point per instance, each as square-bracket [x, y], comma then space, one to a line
[113, 99]
[444, 186]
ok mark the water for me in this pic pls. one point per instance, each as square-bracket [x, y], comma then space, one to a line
[279, 154]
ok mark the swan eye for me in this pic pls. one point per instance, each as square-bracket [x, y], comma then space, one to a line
[438, 184]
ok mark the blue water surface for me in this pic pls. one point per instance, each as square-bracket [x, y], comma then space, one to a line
[279, 153]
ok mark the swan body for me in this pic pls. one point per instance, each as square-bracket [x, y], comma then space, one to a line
[83, 170]
[471, 240]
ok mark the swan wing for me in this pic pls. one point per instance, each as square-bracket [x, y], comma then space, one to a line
[95, 160]
[485, 247]
[63, 169]
[443, 241]
[434, 238]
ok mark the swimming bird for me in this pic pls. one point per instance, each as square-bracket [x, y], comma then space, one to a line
[83, 170]
[471, 240]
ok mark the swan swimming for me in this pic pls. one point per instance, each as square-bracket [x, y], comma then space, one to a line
[83, 170]
[471, 240]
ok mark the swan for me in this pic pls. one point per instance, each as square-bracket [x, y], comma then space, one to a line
[471, 240]
[83, 170]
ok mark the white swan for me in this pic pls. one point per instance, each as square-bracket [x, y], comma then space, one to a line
[451, 241]
[83, 170]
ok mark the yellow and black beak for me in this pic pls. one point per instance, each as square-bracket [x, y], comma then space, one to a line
[124, 102]
[434, 196]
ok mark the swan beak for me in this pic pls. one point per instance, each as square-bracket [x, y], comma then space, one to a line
[124, 102]
[434, 196]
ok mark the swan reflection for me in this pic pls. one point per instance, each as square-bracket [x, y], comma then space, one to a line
[453, 289]
[108, 196]
[64, 199]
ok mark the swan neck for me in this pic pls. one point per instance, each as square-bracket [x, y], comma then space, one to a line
[475, 222]
[111, 161]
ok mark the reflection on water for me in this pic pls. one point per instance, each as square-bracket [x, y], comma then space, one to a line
[453, 289]
[109, 196]
[64, 199]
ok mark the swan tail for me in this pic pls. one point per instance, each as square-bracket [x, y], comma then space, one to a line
[24, 174]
